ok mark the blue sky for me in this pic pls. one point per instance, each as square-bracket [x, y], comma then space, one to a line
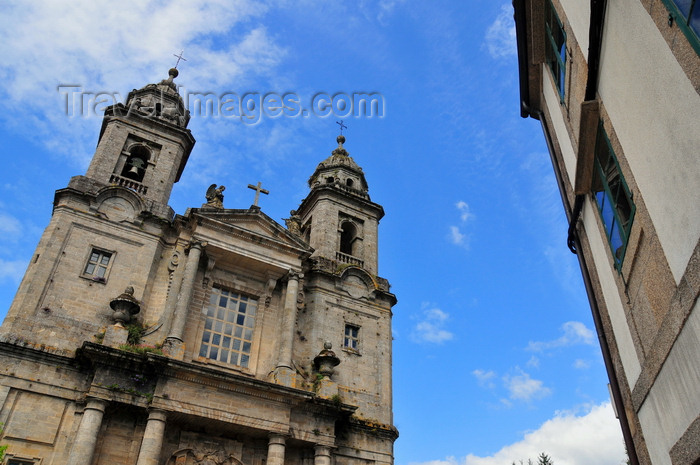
[495, 355]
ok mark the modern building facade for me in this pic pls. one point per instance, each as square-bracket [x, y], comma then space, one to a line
[616, 87]
[217, 337]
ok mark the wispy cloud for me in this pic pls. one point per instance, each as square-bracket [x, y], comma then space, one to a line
[500, 36]
[521, 386]
[115, 53]
[457, 236]
[485, 378]
[574, 333]
[573, 437]
[581, 364]
[431, 327]
[12, 270]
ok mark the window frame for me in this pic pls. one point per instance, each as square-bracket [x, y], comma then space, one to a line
[11, 459]
[92, 276]
[604, 197]
[350, 338]
[683, 22]
[553, 52]
[218, 291]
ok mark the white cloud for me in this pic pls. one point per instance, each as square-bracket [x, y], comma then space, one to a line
[500, 36]
[581, 364]
[575, 333]
[430, 328]
[522, 387]
[569, 438]
[10, 227]
[457, 237]
[104, 47]
[12, 270]
[485, 378]
[465, 212]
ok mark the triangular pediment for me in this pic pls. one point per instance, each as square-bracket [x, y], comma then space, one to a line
[250, 222]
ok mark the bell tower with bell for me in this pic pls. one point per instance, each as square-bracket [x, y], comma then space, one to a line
[144, 144]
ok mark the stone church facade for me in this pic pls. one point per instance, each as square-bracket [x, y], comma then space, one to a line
[217, 337]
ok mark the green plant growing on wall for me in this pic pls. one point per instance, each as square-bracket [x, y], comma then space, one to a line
[136, 331]
[2, 448]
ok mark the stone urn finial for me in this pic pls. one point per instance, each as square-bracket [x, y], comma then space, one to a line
[125, 306]
[326, 360]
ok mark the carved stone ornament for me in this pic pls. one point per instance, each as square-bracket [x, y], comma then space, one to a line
[326, 361]
[125, 306]
[199, 456]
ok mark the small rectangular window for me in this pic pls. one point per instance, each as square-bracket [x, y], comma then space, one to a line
[98, 264]
[228, 327]
[613, 197]
[12, 461]
[351, 338]
[555, 47]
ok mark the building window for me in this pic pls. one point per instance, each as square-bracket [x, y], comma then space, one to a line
[348, 235]
[228, 328]
[351, 340]
[612, 196]
[686, 13]
[555, 47]
[98, 264]
[12, 461]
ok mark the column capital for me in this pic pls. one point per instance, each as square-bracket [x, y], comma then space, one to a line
[157, 414]
[93, 403]
[293, 275]
[276, 438]
[322, 450]
[197, 244]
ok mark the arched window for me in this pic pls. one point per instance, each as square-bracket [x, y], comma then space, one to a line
[136, 163]
[329, 180]
[348, 235]
[349, 182]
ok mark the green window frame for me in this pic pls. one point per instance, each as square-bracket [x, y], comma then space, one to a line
[555, 47]
[228, 327]
[686, 13]
[613, 197]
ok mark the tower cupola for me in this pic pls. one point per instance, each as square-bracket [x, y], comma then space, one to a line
[338, 219]
[341, 172]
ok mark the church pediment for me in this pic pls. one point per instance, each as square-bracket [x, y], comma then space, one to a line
[249, 225]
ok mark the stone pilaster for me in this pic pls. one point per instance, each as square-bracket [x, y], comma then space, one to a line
[152, 438]
[275, 449]
[177, 329]
[86, 437]
[322, 455]
[284, 373]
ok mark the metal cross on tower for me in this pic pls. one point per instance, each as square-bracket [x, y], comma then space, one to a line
[342, 126]
[179, 57]
[257, 190]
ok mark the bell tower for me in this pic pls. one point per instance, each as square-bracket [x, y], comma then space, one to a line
[338, 219]
[144, 144]
[110, 227]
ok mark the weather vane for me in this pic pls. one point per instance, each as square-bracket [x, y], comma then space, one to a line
[179, 57]
[342, 126]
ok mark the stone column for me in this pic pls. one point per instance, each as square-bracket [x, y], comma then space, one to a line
[152, 441]
[322, 455]
[284, 374]
[86, 437]
[288, 320]
[275, 449]
[177, 329]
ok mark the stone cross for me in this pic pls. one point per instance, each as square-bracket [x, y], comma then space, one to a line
[179, 57]
[257, 190]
